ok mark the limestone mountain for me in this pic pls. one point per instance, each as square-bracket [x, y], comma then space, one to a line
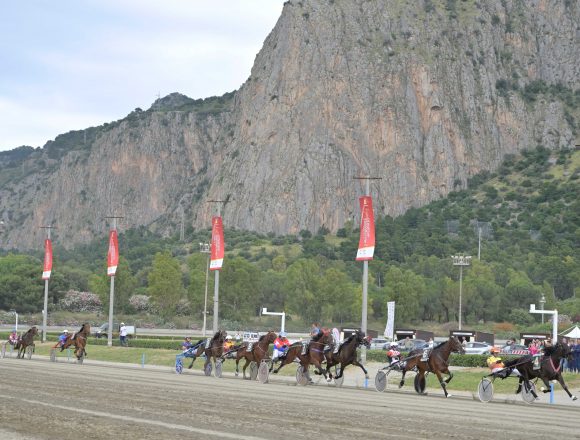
[423, 94]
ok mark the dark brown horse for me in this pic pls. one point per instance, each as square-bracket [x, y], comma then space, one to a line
[258, 352]
[314, 353]
[550, 368]
[79, 340]
[215, 348]
[437, 362]
[347, 354]
[25, 341]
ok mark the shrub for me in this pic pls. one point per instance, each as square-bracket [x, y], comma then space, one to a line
[140, 303]
[75, 301]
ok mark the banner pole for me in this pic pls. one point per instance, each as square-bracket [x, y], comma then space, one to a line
[45, 309]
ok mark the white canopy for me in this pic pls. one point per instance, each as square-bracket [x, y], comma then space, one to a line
[575, 333]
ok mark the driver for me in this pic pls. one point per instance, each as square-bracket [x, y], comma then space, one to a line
[62, 339]
[13, 338]
[393, 353]
[281, 344]
[228, 343]
[495, 364]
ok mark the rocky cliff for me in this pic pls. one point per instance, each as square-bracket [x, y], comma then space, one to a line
[421, 94]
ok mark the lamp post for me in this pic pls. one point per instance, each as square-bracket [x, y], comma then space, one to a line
[554, 314]
[461, 260]
[204, 248]
[16, 316]
[542, 302]
[282, 314]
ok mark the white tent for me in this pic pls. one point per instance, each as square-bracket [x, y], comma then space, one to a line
[575, 333]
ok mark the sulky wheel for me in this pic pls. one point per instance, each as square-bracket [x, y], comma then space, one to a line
[301, 375]
[485, 390]
[338, 382]
[52, 355]
[218, 369]
[178, 366]
[381, 381]
[420, 384]
[263, 372]
[253, 370]
[527, 395]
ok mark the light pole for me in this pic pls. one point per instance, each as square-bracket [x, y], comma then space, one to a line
[204, 248]
[461, 260]
[16, 316]
[554, 313]
[282, 314]
[542, 302]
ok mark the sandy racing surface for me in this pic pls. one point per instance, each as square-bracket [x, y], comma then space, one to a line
[44, 400]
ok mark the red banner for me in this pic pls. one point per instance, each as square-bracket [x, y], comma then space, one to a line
[113, 255]
[217, 244]
[47, 259]
[366, 244]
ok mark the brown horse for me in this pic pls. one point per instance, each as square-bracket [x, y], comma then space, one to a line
[347, 354]
[437, 362]
[216, 348]
[258, 352]
[25, 341]
[79, 340]
[314, 353]
[550, 368]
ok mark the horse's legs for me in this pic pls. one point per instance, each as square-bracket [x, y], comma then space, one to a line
[245, 366]
[358, 364]
[561, 381]
[237, 366]
[450, 376]
[546, 389]
[442, 383]
[402, 382]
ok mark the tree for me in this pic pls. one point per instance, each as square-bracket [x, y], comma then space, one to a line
[239, 298]
[303, 284]
[165, 283]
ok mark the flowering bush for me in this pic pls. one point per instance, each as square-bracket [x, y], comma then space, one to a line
[74, 301]
[140, 303]
[183, 308]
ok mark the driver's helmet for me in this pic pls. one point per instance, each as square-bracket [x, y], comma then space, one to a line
[282, 334]
[65, 331]
[228, 337]
[394, 345]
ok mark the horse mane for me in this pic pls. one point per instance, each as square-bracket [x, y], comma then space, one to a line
[551, 349]
[263, 337]
[217, 336]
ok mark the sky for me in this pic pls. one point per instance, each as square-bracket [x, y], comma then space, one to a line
[72, 64]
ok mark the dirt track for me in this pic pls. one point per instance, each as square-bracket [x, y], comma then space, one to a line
[68, 401]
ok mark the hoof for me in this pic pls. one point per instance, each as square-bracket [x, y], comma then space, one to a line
[328, 379]
[237, 374]
[574, 398]
[542, 389]
[367, 377]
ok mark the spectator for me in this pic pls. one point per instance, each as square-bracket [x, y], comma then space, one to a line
[408, 344]
[123, 334]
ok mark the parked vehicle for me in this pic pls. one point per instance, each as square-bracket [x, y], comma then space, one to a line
[379, 343]
[102, 331]
[515, 349]
[478, 348]
[416, 344]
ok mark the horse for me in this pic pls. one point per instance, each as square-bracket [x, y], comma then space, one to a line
[259, 351]
[347, 354]
[550, 368]
[437, 362]
[79, 340]
[314, 354]
[214, 350]
[25, 341]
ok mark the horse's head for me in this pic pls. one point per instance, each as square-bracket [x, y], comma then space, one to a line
[361, 339]
[33, 331]
[271, 337]
[563, 351]
[455, 345]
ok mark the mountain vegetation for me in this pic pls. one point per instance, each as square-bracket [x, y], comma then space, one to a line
[526, 218]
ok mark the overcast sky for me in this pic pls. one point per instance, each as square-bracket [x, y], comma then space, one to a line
[71, 64]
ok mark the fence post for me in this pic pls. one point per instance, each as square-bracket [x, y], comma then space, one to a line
[551, 392]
